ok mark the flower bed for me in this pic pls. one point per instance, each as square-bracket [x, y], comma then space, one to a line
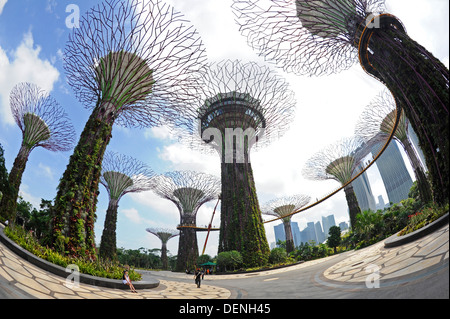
[422, 218]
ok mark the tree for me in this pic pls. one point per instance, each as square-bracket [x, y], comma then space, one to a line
[202, 259]
[4, 185]
[40, 221]
[278, 255]
[230, 259]
[334, 237]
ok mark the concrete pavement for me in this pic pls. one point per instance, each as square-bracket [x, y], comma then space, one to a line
[20, 279]
[399, 268]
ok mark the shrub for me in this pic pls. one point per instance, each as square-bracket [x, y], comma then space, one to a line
[278, 255]
[229, 259]
[423, 217]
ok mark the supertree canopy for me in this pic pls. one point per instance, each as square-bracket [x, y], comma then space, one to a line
[378, 118]
[188, 190]
[43, 123]
[130, 61]
[317, 37]
[121, 174]
[164, 235]
[283, 207]
[242, 105]
[339, 161]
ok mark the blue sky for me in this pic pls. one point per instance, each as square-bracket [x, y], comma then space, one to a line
[33, 34]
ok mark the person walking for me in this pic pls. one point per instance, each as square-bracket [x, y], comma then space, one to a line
[198, 277]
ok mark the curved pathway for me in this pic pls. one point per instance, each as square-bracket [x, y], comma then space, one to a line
[415, 270]
[20, 279]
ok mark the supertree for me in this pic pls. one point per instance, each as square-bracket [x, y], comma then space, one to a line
[121, 174]
[340, 162]
[130, 61]
[283, 207]
[317, 37]
[188, 190]
[164, 234]
[43, 123]
[242, 105]
[378, 118]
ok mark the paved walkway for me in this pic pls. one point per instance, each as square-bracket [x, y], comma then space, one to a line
[18, 274]
[352, 269]
[429, 252]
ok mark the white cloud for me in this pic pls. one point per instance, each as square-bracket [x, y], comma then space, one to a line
[2, 5]
[183, 158]
[156, 204]
[26, 195]
[25, 65]
[45, 171]
[159, 132]
[132, 214]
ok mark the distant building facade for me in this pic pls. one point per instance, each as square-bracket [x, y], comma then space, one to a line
[393, 171]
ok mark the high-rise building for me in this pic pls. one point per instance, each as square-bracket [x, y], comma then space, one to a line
[393, 171]
[296, 234]
[363, 191]
[281, 235]
[309, 233]
[279, 232]
[320, 236]
[327, 222]
[381, 204]
[343, 226]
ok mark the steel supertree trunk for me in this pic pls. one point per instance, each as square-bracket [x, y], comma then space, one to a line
[242, 106]
[284, 207]
[188, 191]
[378, 120]
[43, 123]
[121, 174]
[419, 83]
[340, 162]
[164, 235]
[241, 224]
[325, 36]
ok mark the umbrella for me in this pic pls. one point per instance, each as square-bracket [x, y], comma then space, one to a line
[208, 264]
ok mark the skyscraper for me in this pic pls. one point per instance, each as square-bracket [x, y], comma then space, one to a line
[393, 171]
[320, 236]
[296, 234]
[327, 222]
[309, 233]
[363, 191]
[280, 235]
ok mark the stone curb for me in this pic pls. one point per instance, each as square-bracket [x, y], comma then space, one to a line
[60, 271]
[396, 240]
